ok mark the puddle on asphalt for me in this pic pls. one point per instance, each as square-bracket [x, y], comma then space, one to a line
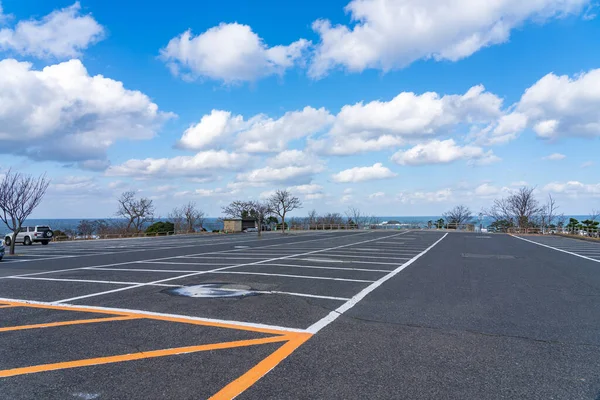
[212, 290]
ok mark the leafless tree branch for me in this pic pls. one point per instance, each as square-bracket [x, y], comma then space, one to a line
[20, 194]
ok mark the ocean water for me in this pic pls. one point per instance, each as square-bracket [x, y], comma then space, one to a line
[214, 223]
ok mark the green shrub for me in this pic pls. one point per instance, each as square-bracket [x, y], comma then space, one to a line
[161, 227]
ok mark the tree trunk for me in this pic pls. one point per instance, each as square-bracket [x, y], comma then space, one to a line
[12, 242]
[283, 223]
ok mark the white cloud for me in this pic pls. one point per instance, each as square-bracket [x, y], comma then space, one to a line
[288, 167]
[560, 106]
[587, 164]
[362, 174]
[306, 189]
[487, 190]
[61, 34]
[268, 135]
[74, 185]
[506, 128]
[211, 129]
[259, 134]
[230, 53]
[380, 125]
[442, 152]
[553, 107]
[418, 197]
[353, 145]
[574, 188]
[376, 195]
[390, 34]
[203, 164]
[554, 157]
[61, 113]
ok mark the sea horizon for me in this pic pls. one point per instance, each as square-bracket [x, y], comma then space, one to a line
[214, 223]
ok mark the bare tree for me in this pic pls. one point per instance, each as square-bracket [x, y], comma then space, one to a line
[524, 206]
[500, 211]
[137, 212]
[548, 213]
[19, 195]
[258, 211]
[373, 220]
[332, 219]
[237, 209]
[194, 218]
[459, 215]
[356, 216]
[177, 218]
[594, 215]
[521, 209]
[312, 217]
[86, 228]
[282, 202]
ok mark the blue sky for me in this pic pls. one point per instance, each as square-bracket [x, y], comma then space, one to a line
[396, 107]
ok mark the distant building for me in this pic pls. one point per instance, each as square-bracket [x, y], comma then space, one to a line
[234, 225]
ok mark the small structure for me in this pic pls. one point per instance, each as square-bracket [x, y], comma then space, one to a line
[235, 225]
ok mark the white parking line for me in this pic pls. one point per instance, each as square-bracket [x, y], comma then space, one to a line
[87, 281]
[557, 249]
[150, 313]
[145, 261]
[215, 270]
[368, 257]
[316, 327]
[291, 276]
[335, 268]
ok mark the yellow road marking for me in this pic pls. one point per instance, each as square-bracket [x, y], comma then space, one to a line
[238, 386]
[139, 356]
[292, 340]
[150, 316]
[64, 323]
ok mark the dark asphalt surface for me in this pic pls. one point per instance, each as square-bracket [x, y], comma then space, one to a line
[476, 317]
[450, 327]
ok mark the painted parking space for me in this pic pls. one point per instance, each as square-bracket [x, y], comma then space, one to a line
[288, 341]
[91, 248]
[584, 249]
[298, 287]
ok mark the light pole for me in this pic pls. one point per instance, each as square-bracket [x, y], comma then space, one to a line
[480, 222]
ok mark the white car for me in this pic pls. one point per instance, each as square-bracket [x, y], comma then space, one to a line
[31, 234]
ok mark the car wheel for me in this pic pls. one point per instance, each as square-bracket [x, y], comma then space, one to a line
[27, 241]
[45, 242]
[7, 241]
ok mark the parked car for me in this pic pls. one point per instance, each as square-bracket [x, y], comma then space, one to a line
[1, 249]
[31, 234]
[251, 230]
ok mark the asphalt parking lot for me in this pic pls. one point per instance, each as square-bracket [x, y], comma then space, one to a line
[402, 315]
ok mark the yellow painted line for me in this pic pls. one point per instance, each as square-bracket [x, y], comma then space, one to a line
[6, 305]
[65, 323]
[238, 386]
[154, 317]
[139, 356]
